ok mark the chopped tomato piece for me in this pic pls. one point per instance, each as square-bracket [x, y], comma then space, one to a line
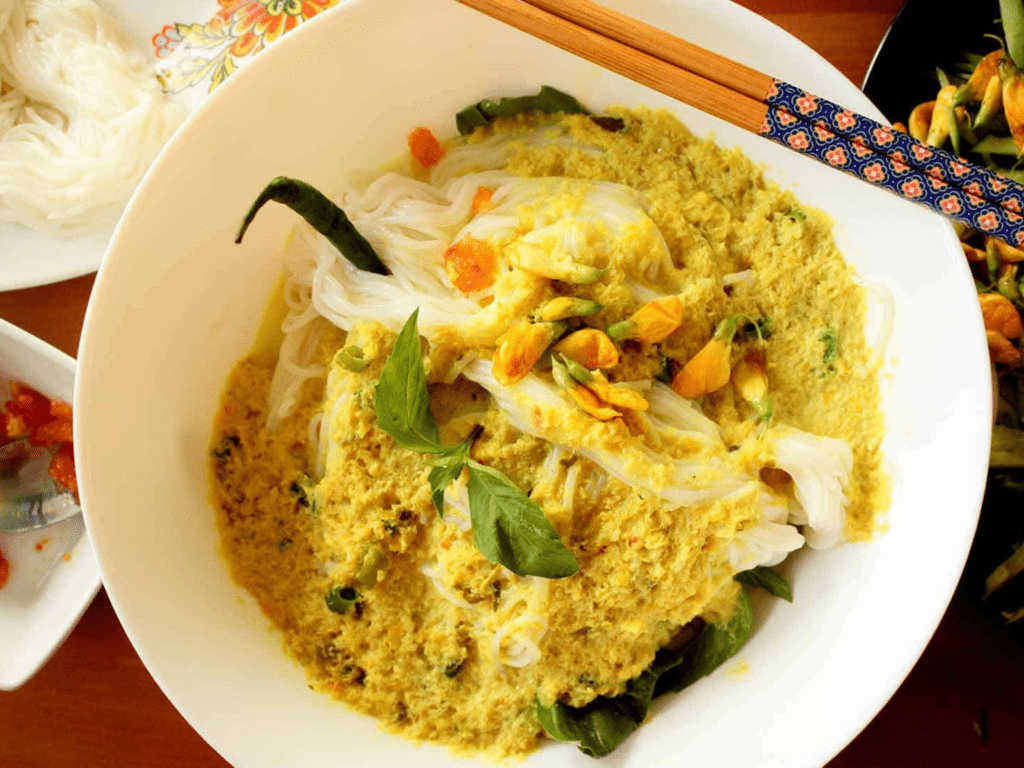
[482, 200]
[5, 569]
[31, 406]
[60, 410]
[62, 468]
[56, 431]
[46, 423]
[471, 264]
[425, 148]
[12, 427]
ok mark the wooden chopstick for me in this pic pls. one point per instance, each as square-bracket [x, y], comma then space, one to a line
[660, 44]
[687, 86]
[774, 109]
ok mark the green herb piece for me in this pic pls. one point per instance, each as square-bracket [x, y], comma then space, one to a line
[340, 599]
[548, 100]
[351, 359]
[714, 646]
[796, 214]
[323, 215]
[603, 724]
[445, 470]
[767, 579]
[510, 528]
[1012, 14]
[828, 357]
[402, 401]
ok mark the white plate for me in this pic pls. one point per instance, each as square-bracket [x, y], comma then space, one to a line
[176, 304]
[32, 258]
[54, 575]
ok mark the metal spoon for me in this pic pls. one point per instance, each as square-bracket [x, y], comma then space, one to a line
[29, 498]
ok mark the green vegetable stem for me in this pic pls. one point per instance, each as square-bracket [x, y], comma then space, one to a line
[323, 215]
[508, 526]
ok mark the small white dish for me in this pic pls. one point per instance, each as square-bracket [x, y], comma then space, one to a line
[53, 575]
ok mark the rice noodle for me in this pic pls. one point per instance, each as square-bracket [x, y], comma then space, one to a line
[81, 115]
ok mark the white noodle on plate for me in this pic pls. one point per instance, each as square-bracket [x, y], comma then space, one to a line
[81, 116]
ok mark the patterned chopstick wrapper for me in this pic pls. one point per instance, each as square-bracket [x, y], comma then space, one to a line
[895, 161]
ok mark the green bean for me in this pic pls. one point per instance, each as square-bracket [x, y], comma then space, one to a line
[321, 214]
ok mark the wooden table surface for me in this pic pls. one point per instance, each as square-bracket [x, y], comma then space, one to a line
[94, 704]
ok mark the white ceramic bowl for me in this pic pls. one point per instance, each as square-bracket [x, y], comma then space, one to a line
[46, 593]
[176, 304]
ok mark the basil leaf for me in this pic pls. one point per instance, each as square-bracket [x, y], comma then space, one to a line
[401, 400]
[765, 578]
[547, 100]
[446, 470]
[603, 724]
[510, 528]
[713, 647]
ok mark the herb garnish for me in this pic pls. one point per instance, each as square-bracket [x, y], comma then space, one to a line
[767, 579]
[508, 526]
[603, 724]
[828, 338]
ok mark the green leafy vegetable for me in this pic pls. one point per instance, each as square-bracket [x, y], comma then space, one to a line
[796, 214]
[714, 646]
[508, 526]
[767, 579]
[402, 402]
[340, 599]
[548, 100]
[323, 215]
[603, 724]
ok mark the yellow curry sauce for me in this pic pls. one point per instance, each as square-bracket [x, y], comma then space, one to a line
[430, 648]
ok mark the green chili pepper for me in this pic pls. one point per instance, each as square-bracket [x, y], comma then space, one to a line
[548, 100]
[321, 214]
